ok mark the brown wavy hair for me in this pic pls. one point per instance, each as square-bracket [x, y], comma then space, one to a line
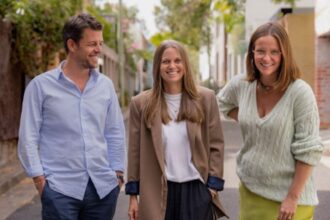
[190, 107]
[289, 70]
[75, 26]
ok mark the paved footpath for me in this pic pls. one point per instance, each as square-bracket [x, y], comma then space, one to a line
[229, 197]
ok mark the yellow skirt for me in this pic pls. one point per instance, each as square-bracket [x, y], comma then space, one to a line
[254, 207]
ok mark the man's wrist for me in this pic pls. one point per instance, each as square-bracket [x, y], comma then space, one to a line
[38, 180]
[120, 177]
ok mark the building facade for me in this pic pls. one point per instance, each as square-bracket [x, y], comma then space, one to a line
[322, 59]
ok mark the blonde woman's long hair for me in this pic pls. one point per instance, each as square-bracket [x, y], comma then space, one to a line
[190, 107]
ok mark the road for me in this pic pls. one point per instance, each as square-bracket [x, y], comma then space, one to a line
[229, 196]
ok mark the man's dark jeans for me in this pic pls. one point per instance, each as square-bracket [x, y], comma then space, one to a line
[58, 206]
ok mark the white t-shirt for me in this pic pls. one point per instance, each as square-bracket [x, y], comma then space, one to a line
[178, 160]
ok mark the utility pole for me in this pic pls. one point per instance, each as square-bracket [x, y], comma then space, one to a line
[121, 54]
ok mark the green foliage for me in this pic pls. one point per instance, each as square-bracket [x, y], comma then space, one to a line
[158, 38]
[38, 26]
[5, 6]
[107, 17]
[237, 39]
[187, 21]
[229, 12]
[143, 54]
[129, 12]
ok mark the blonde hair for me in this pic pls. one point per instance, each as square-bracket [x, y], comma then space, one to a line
[289, 70]
[190, 107]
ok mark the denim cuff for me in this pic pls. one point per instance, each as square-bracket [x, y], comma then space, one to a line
[215, 183]
[132, 188]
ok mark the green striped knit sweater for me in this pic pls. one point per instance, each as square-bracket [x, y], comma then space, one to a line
[272, 144]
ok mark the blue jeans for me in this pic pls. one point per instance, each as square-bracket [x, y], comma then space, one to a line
[60, 207]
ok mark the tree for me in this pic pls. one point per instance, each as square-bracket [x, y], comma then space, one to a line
[185, 21]
[229, 12]
[5, 6]
[107, 17]
[37, 30]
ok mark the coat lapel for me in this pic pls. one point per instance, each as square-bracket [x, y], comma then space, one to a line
[191, 130]
[157, 140]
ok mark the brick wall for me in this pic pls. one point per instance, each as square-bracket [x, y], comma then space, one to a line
[322, 82]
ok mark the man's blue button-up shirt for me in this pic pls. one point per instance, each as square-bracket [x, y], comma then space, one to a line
[70, 136]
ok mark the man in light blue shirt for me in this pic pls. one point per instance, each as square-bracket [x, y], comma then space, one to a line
[71, 138]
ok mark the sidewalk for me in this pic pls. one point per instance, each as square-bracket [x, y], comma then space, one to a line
[21, 192]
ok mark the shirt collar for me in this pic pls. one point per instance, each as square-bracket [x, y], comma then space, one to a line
[59, 72]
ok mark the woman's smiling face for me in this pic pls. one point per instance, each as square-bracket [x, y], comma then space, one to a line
[172, 69]
[267, 56]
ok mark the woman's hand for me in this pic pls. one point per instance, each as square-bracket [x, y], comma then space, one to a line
[233, 114]
[290, 203]
[213, 192]
[133, 208]
[120, 178]
[288, 209]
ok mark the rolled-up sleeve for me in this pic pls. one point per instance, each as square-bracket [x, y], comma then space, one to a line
[307, 146]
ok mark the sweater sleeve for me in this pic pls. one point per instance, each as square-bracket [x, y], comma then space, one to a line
[307, 146]
[228, 98]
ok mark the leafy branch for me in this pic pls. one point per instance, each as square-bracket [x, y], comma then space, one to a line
[37, 30]
[229, 12]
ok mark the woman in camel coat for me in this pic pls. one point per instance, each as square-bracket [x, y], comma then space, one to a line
[175, 155]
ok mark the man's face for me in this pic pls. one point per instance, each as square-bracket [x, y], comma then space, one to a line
[89, 48]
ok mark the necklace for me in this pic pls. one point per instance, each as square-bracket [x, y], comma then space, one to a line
[264, 87]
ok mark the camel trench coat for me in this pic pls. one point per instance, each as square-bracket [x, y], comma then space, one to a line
[146, 154]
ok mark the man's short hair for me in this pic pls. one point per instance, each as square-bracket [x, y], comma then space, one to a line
[75, 26]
